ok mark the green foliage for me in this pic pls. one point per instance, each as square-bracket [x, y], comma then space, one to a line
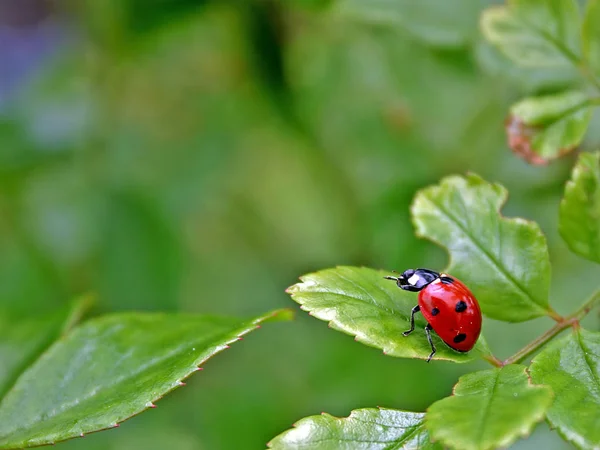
[553, 124]
[196, 156]
[440, 24]
[535, 32]
[579, 223]
[548, 34]
[110, 369]
[504, 261]
[360, 302]
[22, 340]
[364, 429]
[489, 409]
[571, 367]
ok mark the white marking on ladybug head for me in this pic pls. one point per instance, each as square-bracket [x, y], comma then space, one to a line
[437, 280]
[413, 280]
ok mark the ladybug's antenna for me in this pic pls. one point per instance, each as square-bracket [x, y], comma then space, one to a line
[391, 278]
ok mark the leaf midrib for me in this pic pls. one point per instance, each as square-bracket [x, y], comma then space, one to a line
[121, 380]
[490, 257]
[487, 409]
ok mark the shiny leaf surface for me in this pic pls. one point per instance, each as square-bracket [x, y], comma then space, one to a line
[503, 261]
[579, 223]
[22, 340]
[110, 369]
[360, 302]
[489, 409]
[571, 366]
[536, 33]
[364, 429]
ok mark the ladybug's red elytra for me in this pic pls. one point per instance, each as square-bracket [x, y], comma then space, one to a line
[449, 306]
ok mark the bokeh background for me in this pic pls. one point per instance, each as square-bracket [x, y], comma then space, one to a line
[199, 156]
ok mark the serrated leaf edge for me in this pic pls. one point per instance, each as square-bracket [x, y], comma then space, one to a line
[502, 204]
[570, 189]
[280, 314]
[352, 415]
[523, 431]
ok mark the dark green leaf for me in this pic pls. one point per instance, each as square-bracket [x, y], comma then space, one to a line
[368, 428]
[544, 128]
[441, 24]
[110, 369]
[360, 302]
[504, 261]
[571, 366]
[579, 223]
[591, 35]
[535, 33]
[22, 340]
[489, 409]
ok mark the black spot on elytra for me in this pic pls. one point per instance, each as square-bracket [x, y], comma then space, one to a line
[447, 280]
[460, 306]
[435, 312]
[459, 338]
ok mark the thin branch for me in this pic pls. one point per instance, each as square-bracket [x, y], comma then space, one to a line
[569, 321]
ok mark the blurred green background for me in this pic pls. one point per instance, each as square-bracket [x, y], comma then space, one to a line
[201, 155]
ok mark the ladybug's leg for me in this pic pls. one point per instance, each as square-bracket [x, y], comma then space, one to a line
[428, 333]
[416, 309]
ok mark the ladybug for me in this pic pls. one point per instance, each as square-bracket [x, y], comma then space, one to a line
[449, 306]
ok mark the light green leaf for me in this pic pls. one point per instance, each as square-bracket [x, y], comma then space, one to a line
[504, 261]
[547, 127]
[591, 35]
[489, 409]
[110, 369]
[571, 366]
[440, 24]
[535, 33]
[22, 340]
[579, 223]
[360, 302]
[368, 428]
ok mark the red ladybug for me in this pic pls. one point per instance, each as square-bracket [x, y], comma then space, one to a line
[448, 305]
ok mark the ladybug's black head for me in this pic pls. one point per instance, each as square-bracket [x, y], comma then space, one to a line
[415, 279]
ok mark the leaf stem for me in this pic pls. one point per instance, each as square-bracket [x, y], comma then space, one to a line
[493, 360]
[566, 322]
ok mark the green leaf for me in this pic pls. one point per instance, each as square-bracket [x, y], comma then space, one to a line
[110, 369]
[571, 366]
[440, 24]
[360, 302]
[504, 261]
[547, 127]
[591, 35]
[489, 409]
[535, 33]
[579, 223]
[368, 428]
[23, 340]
